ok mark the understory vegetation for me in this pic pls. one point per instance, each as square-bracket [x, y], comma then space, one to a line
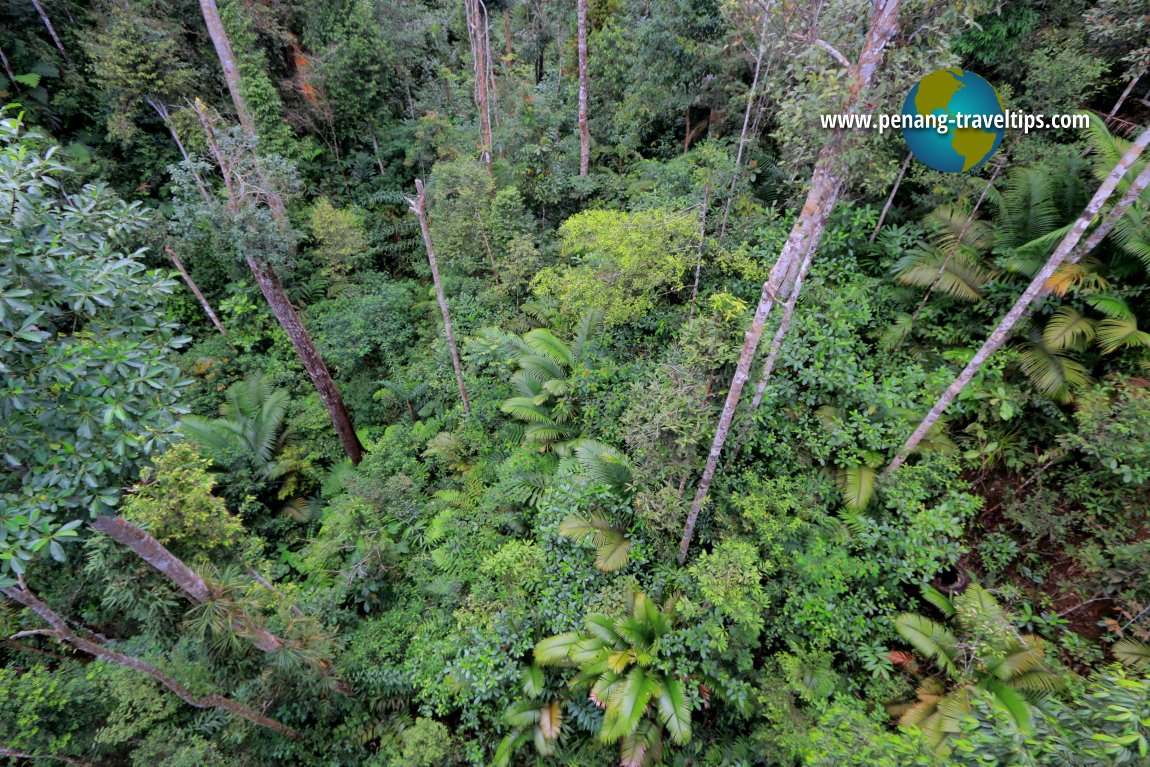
[411, 383]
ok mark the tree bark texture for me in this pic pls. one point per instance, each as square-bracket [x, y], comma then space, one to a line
[63, 632]
[825, 187]
[227, 57]
[584, 79]
[1037, 289]
[195, 289]
[419, 208]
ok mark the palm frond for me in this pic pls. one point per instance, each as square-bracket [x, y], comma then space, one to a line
[1068, 329]
[1132, 653]
[930, 638]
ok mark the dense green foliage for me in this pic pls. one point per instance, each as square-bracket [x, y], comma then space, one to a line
[500, 587]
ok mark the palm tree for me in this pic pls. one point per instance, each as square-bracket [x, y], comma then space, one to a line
[546, 399]
[250, 429]
[537, 717]
[616, 659]
[983, 655]
[610, 467]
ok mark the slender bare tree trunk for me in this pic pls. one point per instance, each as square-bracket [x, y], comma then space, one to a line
[776, 346]
[1125, 95]
[313, 363]
[584, 79]
[64, 633]
[227, 57]
[1038, 287]
[8, 69]
[419, 208]
[826, 185]
[52, 32]
[890, 198]
[11, 753]
[268, 283]
[195, 290]
[702, 245]
[746, 125]
[162, 110]
[375, 146]
[507, 49]
[477, 35]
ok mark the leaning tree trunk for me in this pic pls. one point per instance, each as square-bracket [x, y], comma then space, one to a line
[1038, 288]
[584, 78]
[162, 110]
[185, 578]
[419, 208]
[52, 32]
[751, 95]
[826, 185]
[776, 346]
[269, 284]
[228, 63]
[1125, 95]
[195, 290]
[8, 69]
[890, 197]
[63, 632]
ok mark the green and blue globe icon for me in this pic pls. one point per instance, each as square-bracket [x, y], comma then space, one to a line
[968, 107]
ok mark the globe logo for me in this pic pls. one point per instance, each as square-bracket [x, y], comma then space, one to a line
[953, 120]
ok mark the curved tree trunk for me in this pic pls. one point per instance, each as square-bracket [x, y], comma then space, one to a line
[1038, 288]
[63, 632]
[584, 129]
[419, 208]
[826, 185]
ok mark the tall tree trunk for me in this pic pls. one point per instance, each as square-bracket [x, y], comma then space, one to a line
[1125, 95]
[702, 245]
[478, 40]
[228, 63]
[746, 126]
[155, 554]
[419, 208]
[185, 578]
[90, 645]
[269, 284]
[507, 49]
[890, 198]
[289, 320]
[195, 289]
[52, 32]
[584, 79]
[1038, 287]
[8, 69]
[826, 185]
[776, 346]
